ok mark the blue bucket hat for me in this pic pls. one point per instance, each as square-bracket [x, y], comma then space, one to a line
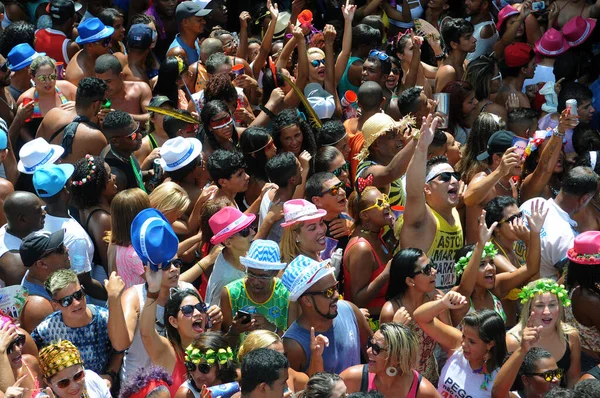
[21, 56]
[302, 273]
[92, 30]
[153, 238]
[264, 255]
[50, 179]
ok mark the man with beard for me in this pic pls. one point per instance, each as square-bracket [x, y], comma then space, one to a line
[457, 35]
[190, 18]
[485, 28]
[341, 328]
[163, 12]
[431, 221]
[77, 130]
[8, 105]
[259, 294]
[131, 97]
[24, 215]
[124, 136]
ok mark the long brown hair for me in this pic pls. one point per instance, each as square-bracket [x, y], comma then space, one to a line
[123, 209]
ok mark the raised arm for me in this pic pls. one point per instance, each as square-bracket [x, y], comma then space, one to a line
[426, 317]
[413, 71]
[121, 323]
[344, 55]
[330, 83]
[242, 50]
[511, 31]
[265, 46]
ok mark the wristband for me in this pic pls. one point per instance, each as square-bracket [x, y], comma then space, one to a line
[270, 114]
[440, 57]
[557, 133]
[152, 295]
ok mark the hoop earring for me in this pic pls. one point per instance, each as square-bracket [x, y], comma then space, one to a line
[391, 371]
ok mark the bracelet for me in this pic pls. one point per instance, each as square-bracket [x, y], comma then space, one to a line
[201, 267]
[270, 114]
[440, 57]
[152, 295]
[557, 133]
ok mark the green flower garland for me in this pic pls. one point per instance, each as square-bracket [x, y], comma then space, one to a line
[489, 250]
[527, 293]
[194, 355]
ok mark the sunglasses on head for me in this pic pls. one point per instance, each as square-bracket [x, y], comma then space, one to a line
[45, 78]
[327, 293]
[510, 219]
[426, 270]
[549, 375]
[188, 310]
[446, 176]
[62, 249]
[338, 172]
[334, 190]
[380, 203]
[77, 377]
[379, 54]
[204, 368]
[68, 300]
[376, 348]
[317, 62]
[18, 342]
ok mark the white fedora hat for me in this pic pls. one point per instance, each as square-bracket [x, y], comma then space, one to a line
[37, 153]
[179, 152]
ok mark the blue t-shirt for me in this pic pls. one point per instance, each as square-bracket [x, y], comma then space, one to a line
[91, 339]
[193, 54]
[34, 289]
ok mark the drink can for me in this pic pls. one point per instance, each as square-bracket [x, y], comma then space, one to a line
[78, 255]
[572, 106]
[224, 390]
[157, 169]
[443, 105]
[60, 70]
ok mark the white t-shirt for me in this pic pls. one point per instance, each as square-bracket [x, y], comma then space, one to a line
[222, 274]
[95, 386]
[8, 243]
[276, 231]
[458, 380]
[557, 235]
[543, 74]
[73, 231]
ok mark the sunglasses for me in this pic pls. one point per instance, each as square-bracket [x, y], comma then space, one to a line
[426, 270]
[549, 375]
[317, 62]
[497, 77]
[327, 293]
[133, 135]
[45, 78]
[68, 300]
[19, 341]
[77, 377]
[380, 203]
[338, 172]
[62, 249]
[106, 42]
[204, 368]
[446, 176]
[379, 54]
[244, 233]
[261, 277]
[4, 67]
[334, 190]
[376, 348]
[395, 71]
[188, 310]
[177, 263]
[510, 219]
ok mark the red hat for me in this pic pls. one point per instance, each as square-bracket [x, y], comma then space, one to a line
[504, 13]
[227, 222]
[552, 44]
[517, 54]
[586, 248]
[578, 29]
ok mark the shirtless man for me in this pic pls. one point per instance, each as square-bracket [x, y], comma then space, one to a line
[197, 75]
[88, 138]
[130, 97]
[457, 35]
[519, 64]
[8, 105]
[95, 38]
[139, 39]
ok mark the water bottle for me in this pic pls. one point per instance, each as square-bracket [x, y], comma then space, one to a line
[349, 103]
[336, 260]
[78, 255]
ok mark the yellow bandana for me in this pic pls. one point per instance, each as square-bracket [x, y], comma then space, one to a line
[57, 357]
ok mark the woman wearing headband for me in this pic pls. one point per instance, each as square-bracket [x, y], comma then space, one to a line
[63, 371]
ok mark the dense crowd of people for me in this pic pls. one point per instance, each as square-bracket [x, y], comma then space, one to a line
[299, 198]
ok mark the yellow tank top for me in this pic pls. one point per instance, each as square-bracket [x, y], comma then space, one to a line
[448, 239]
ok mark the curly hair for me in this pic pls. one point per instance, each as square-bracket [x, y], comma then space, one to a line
[142, 378]
[88, 194]
[289, 117]
[227, 372]
[210, 110]
[219, 87]
[16, 33]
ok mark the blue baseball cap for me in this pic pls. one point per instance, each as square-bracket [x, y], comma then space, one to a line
[3, 135]
[50, 179]
[21, 56]
[92, 30]
[153, 238]
[140, 36]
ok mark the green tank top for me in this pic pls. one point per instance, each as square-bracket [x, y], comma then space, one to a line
[344, 84]
[395, 190]
[275, 309]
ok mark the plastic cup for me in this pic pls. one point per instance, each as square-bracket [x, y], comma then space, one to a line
[238, 69]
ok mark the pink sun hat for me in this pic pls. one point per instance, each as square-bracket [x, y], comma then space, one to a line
[578, 29]
[299, 210]
[586, 248]
[552, 44]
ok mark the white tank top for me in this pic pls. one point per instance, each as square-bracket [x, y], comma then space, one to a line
[415, 13]
[483, 46]
[136, 356]
[189, 386]
[458, 380]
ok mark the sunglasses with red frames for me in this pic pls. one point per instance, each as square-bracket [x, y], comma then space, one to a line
[77, 377]
[133, 135]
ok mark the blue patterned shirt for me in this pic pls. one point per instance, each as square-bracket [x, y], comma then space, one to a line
[91, 339]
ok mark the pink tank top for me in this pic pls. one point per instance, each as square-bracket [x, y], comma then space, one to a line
[179, 376]
[379, 300]
[414, 388]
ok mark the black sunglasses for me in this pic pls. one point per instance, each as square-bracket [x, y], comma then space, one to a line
[426, 270]
[512, 218]
[177, 263]
[327, 293]
[244, 233]
[334, 190]
[376, 348]
[4, 67]
[19, 341]
[77, 377]
[68, 300]
[549, 375]
[188, 310]
[204, 368]
[338, 172]
[446, 176]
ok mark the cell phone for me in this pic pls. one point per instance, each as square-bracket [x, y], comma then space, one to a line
[538, 6]
[244, 316]
[520, 144]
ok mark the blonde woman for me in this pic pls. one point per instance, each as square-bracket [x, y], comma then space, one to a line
[172, 201]
[122, 258]
[303, 230]
[266, 339]
[545, 301]
[392, 353]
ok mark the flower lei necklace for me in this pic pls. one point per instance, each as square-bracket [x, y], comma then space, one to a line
[488, 251]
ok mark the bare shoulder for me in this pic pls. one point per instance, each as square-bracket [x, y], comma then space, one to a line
[6, 187]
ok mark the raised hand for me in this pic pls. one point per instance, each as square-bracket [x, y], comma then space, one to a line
[154, 279]
[509, 161]
[531, 334]
[518, 227]
[114, 285]
[8, 334]
[567, 121]
[297, 33]
[216, 316]
[428, 127]
[318, 343]
[538, 216]
[244, 19]
[402, 317]
[512, 102]
[485, 233]
[273, 9]
[329, 34]
[16, 391]
[454, 300]
[304, 159]
[348, 11]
